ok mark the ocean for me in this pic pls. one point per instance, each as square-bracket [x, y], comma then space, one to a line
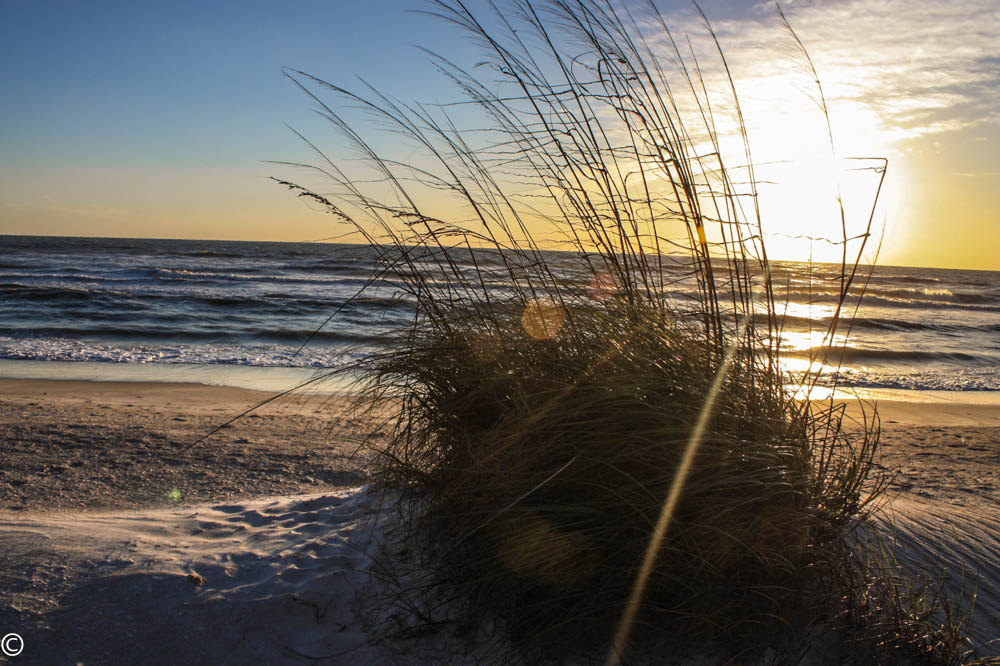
[259, 315]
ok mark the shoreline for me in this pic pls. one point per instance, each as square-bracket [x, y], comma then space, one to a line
[318, 380]
[256, 378]
[72, 445]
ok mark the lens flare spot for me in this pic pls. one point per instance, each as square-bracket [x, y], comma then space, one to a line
[174, 495]
[543, 320]
[532, 548]
[602, 287]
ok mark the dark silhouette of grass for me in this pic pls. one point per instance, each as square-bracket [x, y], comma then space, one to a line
[576, 456]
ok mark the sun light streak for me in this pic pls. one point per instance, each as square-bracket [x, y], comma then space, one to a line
[624, 630]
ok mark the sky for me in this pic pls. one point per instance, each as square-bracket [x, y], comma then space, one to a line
[152, 119]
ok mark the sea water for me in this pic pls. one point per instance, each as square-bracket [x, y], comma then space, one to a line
[272, 315]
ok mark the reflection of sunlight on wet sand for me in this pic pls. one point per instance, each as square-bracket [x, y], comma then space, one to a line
[821, 393]
[797, 367]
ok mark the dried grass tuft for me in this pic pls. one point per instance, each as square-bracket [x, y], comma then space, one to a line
[546, 395]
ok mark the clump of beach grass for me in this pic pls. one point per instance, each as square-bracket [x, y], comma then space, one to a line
[537, 471]
[592, 447]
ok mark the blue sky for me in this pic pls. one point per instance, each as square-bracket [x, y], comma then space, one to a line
[155, 119]
[179, 83]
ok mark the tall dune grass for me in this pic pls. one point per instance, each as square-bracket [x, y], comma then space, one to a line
[579, 457]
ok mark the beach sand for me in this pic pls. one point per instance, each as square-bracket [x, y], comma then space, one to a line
[104, 445]
[122, 543]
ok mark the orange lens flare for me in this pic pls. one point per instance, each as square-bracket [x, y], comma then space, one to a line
[531, 547]
[543, 320]
[602, 287]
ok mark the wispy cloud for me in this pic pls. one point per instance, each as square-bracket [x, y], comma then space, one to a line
[912, 67]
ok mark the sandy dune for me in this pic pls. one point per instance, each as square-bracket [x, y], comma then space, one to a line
[243, 577]
[268, 581]
[957, 544]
